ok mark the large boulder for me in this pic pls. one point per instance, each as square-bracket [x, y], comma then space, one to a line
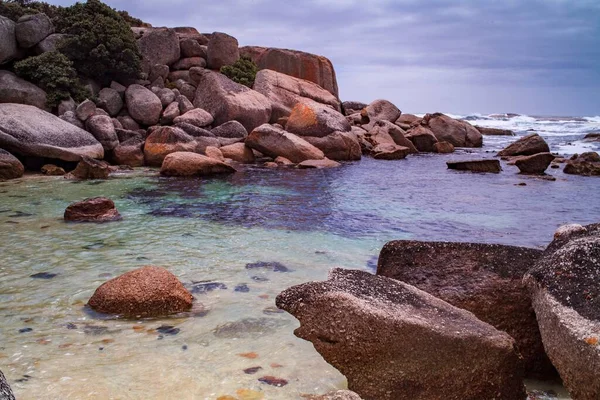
[5, 390]
[492, 166]
[222, 50]
[535, 164]
[29, 131]
[143, 105]
[423, 139]
[159, 46]
[285, 92]
[526, 146]
[353, 107]
[193, 164]
[16, 90]
[393, 341]
[97, 209]
[8, 41]
[379, 110]
[10, 166]
[458, 133]
[145, 292]
[338, 146]
[191, 48]
[566, 297]
[32, 29]
[310, 118]
[238, 152]
[164, 140]
[226, 100]
[485, 279]
[103, 129]
[275, 142]
[111, 101]
[189, 62]
[310, 67]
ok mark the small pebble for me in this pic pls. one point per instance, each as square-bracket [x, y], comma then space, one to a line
[25, 330]
[43, 275]
[168, 330]
[273, 381]
[242, 288]
[184, 347]
[253, 370]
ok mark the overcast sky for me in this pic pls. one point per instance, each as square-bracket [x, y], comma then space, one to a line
[537, 57]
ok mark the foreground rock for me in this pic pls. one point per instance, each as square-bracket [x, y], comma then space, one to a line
[458, 133]
[492, 166]
[485, 279]
[586, 164]
[165, 140]
[535, 164]
[16, 90]
[275, 142]
[145, 292]
[526, 146]
[226, 100]
[10, 166]
[393, 341]
[566, 299]
[97, 209]
[193, 164]
[29, 131]
[5, 391]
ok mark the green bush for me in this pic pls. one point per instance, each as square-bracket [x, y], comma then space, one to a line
[242, 71]
[15, 9]
[53, 72]
[102, 46]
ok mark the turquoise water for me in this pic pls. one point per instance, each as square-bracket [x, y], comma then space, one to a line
[207, 230]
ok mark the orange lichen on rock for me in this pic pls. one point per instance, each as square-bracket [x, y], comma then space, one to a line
[304, 115]
[592, 341]
[251, 355]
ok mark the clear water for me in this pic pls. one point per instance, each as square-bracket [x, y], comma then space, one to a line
[52, 347]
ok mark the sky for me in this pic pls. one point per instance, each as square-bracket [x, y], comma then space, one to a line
[536, 57]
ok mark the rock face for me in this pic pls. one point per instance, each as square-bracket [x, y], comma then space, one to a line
[159, 46]
[393, 341]
[338, 146]
[535, 164]
[10, 166]
[222, 50]
[458, 133]
[16, 90]
[97, 209]
[485, 279]
[587, 164]
[5, 391]
[193, 164]
[165, 140]
[298, 64]
[145, 292]
[226, 100]
[8, 40]
[285, 92]
[29, 131]
[274, 142]
[89, 168]
[310, 118]
[526, 146]
[492, 166]
[32, 29]
[380, 110]
[143, 105]
[566, 299]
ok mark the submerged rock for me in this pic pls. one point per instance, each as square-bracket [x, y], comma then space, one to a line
[492, 166]
[458, 133]
[248, 328]
[526, 146]
[586, 164]
[145, 292]
[393, 341]
[390, 152]
[97, 209]
[10, 166]
[193, 164]
[319, 164]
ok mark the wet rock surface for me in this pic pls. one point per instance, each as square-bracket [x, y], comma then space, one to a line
[491, 166]
[97, 209]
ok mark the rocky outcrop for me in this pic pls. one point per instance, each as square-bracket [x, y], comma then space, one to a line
[145, 292]
[238, 152]
[285, 92]
[32, 29]
[10, 166]
[103, 129]
[379, 110]
[566, 299]
[274, 142]
[29, 131]
[458, 133]
[159, 46]
[298, 64]
[535, 164]
[5, 390]
[492, 166]
[16, 90]
[338, 146]
[8, 41]
[165, 140]
[494, 131]
[485, 279]
[393, 341]
[222, 50]
[586, 164]
[310, 118]
[97, 209]
[226, 100]
[193, 164]
[526, 146]
[143, 105]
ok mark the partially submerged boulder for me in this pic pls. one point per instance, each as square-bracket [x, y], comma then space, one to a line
[16, 90]
[310, 118]
[535, 164]
[89, 168]
[586, 164]
[390, 152]
[193, 164]
[458, 133]
[385, 132]
[319, 164]
[274, 142]
[423, 139]
[485, 279]
[130, 152]
[165, 140]
[494, 131]
[492, 166]
[29, 131]
[145, 292]
[97, 209]
[393, 341]
[10, 166]
[526, 146]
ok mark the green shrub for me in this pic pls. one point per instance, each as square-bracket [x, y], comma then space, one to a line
[242, 71]
[15, 9]
[102, 46]
[53, 72]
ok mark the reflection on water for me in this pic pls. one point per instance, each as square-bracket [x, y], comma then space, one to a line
[236, 243]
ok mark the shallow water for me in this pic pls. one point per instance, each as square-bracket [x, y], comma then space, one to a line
[208, 230]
